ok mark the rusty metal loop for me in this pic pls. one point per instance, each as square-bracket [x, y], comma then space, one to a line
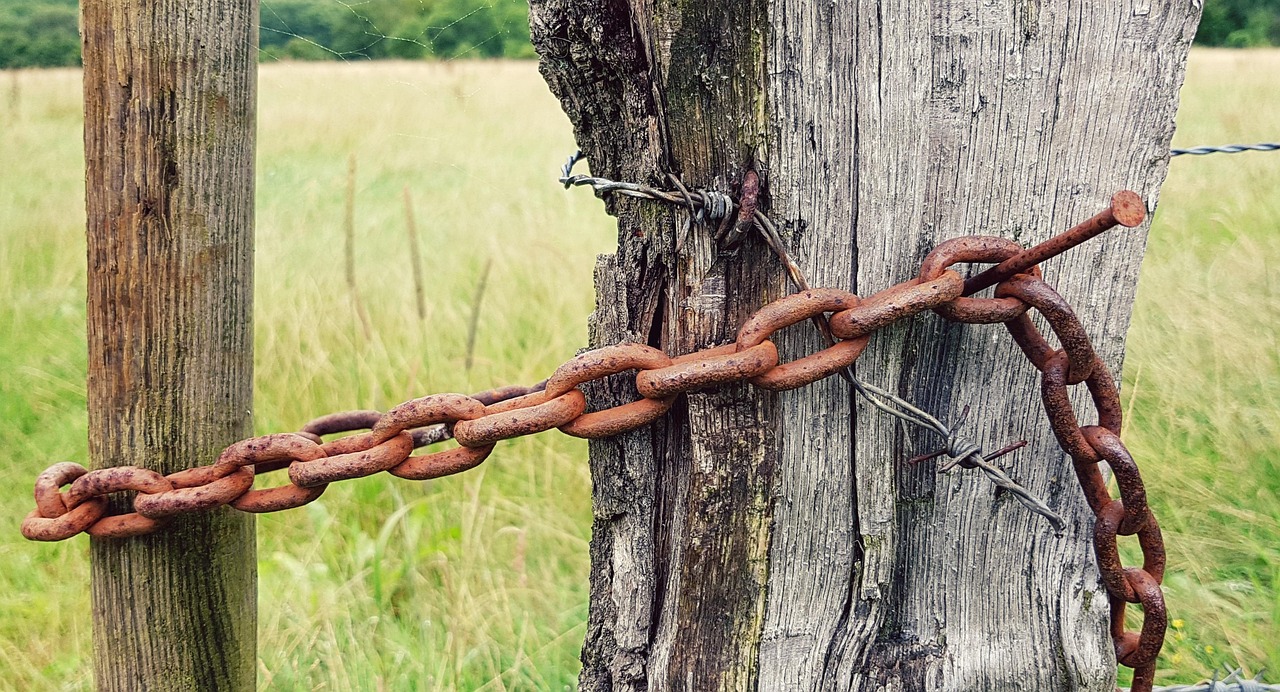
[437, 464]
[617, 420]
[115, 479]
[1106, 531]
[65, 525]
[1058, 313]
[48, 490]
[978, 248]
[277, 499]
[1062, 417]
[342, 421]
[812, 368]
[103, 482]
[198, 497]
[705, 368]
[1029, 340]
[1093, 485]
[896, 303]
[1154, 620]
[791, 310]
[354, 464]
[602, 362]
[529, 400]
[493, 396]
[269, 449]
[504, 425]
[1106, 397]
[437, 408]
[1125, 470]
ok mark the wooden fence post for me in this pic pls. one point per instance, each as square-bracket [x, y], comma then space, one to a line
[781, 542]
[169, 98]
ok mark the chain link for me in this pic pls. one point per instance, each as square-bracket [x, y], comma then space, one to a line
[481, 421]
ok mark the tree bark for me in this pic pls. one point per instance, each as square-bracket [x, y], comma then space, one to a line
[170, 91]
[757, 541]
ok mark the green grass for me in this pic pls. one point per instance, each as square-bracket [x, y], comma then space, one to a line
[1202, 374]
[479, 581]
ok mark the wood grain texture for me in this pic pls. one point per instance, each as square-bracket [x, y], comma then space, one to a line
[170, 91]
[880, 129]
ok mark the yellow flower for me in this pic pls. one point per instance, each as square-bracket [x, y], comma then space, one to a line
[1208, 649]
[1175, 659]
[1177, 624]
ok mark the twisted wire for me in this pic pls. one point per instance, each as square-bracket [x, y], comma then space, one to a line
[1225, 149]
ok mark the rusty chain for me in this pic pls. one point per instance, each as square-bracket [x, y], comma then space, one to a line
[480, 421]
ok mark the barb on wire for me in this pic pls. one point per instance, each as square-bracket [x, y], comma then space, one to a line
[1234, 682]
[1226, 149]
[960, 449]
[706, 204]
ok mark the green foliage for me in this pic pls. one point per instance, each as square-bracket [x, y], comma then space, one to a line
[39, 34]
[45, 33]
[1240, 23]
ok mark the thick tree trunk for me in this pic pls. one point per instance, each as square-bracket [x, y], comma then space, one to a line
[780, 542]
[170, 92]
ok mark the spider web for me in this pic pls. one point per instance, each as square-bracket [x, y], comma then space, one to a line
[349, 30]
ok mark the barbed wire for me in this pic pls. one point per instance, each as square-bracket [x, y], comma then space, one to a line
[1233, 682]
[1225, 149]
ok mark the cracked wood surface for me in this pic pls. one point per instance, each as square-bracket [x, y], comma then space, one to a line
[758, 541]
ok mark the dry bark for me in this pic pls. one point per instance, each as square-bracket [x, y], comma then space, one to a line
[170, 92]
[757, 541]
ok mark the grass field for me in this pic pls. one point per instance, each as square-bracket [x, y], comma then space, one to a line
[479, 581]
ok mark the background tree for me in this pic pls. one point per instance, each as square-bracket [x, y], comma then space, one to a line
[778, 541]
[42, 33]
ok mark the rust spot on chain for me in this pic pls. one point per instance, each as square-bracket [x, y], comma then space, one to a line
[356, 464]
[196, 496]
[437, 408]
[504, 425]
[896, 303]
[450, 461]
[706, 368]
[617, 420]
[603, 362]
[48, 493]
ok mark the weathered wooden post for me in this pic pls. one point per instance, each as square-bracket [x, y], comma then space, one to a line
[169, 91]
[768, 542]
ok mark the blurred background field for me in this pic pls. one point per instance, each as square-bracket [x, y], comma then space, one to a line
[480, 581]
